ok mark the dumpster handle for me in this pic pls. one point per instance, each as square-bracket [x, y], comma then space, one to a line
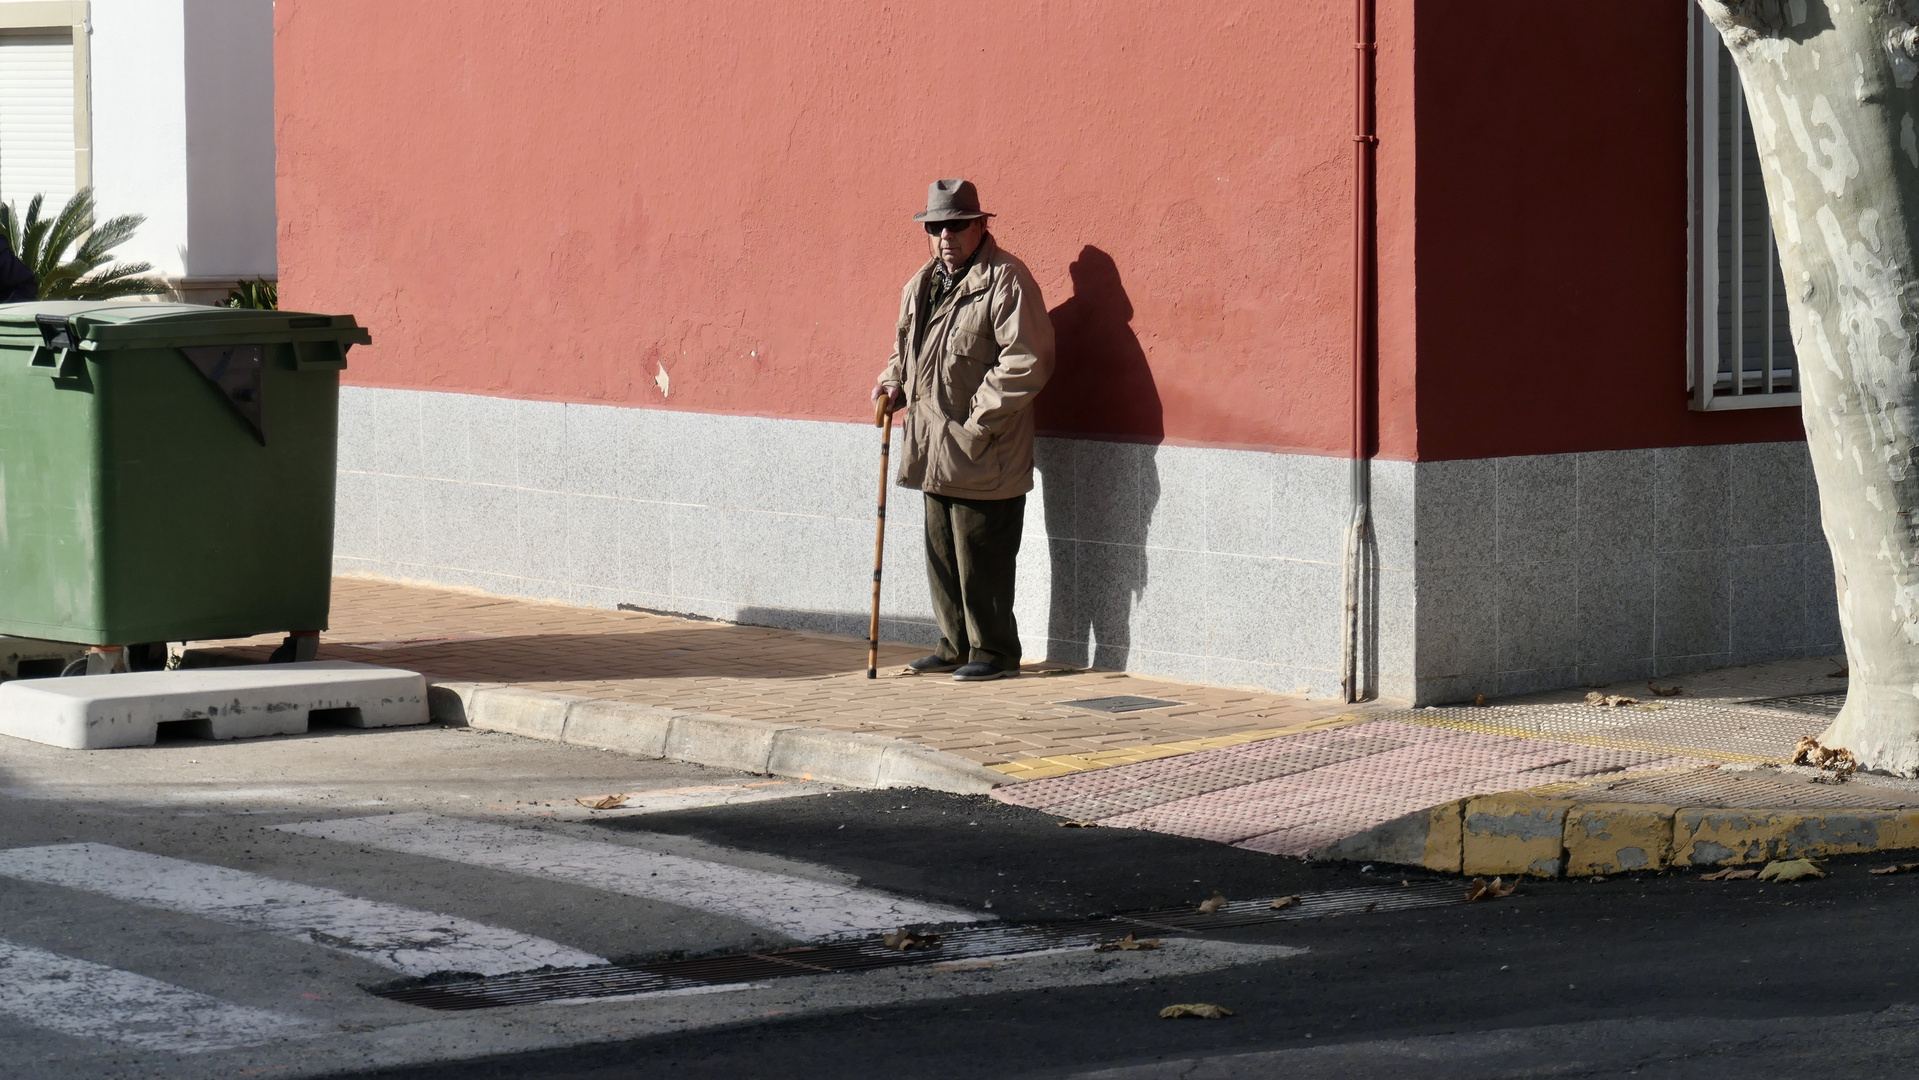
[60, 347]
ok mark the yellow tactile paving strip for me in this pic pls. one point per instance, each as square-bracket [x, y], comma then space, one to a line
[1060, 765]
[1716, 731]
[792, 678]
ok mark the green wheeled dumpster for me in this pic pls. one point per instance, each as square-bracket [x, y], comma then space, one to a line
[167, 470]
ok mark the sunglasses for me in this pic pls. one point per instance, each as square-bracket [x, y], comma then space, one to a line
[934, 228]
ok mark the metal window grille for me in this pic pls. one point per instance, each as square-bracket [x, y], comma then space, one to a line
[37, 144]
[1740, 342]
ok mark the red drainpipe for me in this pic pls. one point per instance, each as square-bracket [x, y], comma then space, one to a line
[1365, 175]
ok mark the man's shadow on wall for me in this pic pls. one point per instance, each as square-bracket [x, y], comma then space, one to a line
[1100, 479]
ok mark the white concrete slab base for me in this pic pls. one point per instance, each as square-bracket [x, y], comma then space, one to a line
[97, 712]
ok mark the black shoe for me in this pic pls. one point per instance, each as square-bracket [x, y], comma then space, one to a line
[980, 671]
[931, 665]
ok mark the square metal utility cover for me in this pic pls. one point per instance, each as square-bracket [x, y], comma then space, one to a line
[1827, 704]
[1121, 703]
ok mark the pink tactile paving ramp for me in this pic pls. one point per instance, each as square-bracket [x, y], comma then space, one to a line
[1292, 794]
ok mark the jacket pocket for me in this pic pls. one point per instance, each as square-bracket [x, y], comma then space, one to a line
[972, 344]
[963, 368]
[973, 448]
[961, 461]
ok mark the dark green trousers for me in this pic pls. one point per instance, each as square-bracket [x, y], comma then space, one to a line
[971, 548]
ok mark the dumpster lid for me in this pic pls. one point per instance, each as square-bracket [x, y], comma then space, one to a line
[111, 324]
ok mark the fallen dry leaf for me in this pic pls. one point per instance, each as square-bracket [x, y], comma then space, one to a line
[1658, 691]
[1896, 868]
[1840, 674]
[1837, 759]
[1485, 890]
[1284, 902]
[1729, 874]
[1204, 1012]
[1079, 824]
[1594, 697]
[1790, 870]
[1480, 700]
[1372, 906]
[1207, 907]
[1129, 944]
[604, 802]
[904, 939]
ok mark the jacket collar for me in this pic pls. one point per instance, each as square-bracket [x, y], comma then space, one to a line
[976, 277]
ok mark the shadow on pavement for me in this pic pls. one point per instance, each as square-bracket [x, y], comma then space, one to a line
[972, 851]
[703, 650]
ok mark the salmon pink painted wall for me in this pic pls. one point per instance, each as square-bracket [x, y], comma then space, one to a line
[554, 198]
[1552, 235]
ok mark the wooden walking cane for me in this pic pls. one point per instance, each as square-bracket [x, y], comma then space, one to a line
[883, 416]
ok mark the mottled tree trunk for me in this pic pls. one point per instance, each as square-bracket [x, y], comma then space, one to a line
[1830, 88]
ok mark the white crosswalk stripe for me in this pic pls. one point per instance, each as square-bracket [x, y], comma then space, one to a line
[405, 939]
[93, 1001]
[805, 909]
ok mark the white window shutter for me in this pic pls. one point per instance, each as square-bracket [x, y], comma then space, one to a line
[36, 118]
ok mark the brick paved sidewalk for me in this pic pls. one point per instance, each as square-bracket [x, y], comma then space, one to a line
[1354, 784]
[1014, 725]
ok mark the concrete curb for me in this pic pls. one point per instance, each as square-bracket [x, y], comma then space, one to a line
[1518, 833]
[728, 742]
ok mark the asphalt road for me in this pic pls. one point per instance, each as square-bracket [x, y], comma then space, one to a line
[1651, 975]
[1657, 975]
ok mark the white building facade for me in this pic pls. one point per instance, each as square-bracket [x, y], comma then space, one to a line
[164, 107]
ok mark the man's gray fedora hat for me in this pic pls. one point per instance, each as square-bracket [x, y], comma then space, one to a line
[951, 200]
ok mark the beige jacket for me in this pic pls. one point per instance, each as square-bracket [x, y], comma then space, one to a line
[971, 378]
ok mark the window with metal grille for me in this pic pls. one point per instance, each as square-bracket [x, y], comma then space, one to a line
[37, 147]
[1740, 342]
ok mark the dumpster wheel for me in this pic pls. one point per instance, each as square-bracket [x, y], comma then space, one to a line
[146, 656]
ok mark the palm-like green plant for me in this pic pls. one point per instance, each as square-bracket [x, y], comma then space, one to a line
[69, 251]
[259, 294]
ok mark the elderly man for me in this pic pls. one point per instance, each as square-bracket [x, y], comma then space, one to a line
[972, 349]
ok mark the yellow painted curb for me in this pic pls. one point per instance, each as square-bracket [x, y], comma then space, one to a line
[1508, 833]
[1513, 833]
[1549, 832]
[1444, 836]
[1611, 838]
[1718, 837]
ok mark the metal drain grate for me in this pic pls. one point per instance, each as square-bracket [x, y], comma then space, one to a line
[1420, 894]
[966, 943]
[1816, 704]
[1122, 703]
